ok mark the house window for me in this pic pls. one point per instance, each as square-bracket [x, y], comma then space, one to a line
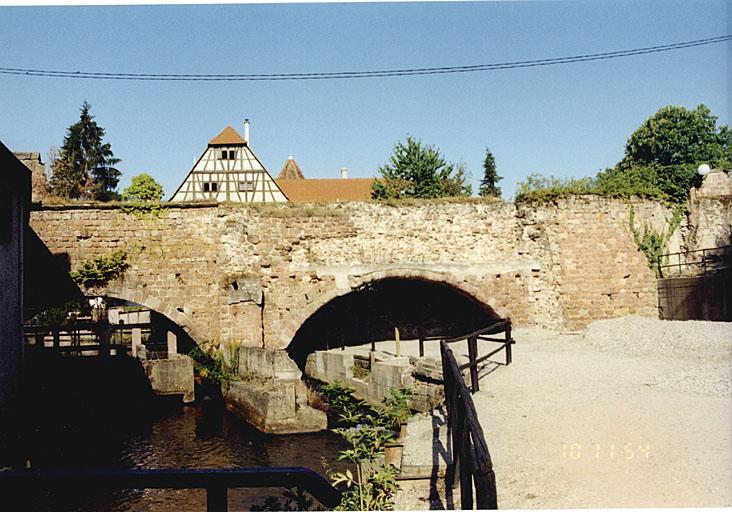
[246, 186]
[206, 187]
[210, 187]
[227, 154]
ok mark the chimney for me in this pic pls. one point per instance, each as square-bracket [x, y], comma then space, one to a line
[246, 131]
[344, 173]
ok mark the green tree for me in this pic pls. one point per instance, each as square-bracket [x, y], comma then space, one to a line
[85, 164]
[488, 185]
[142, 189]
[665, 151]
[416, 170]
[674, 136]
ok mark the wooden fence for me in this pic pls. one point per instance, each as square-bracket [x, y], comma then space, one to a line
[472, 465]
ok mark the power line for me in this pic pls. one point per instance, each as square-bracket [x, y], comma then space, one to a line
[365, 74]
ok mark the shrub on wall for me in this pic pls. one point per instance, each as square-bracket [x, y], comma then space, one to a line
[101, 269]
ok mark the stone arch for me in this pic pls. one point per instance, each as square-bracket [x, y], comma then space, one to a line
[462, 286]
[138, 296]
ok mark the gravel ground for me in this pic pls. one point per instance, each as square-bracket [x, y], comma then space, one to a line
[634, 412]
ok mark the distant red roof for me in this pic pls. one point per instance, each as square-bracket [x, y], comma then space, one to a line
[326, 190]
[291, 171]
[227, 137]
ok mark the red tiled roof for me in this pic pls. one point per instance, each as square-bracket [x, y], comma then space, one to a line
[326, 190]
[291, 171]
[227, 137]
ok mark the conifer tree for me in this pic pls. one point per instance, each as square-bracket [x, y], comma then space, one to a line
[84, 166]
[488, 185]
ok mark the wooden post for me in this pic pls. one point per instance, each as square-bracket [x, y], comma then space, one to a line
[466, 469]
[421, 342]
[136, 340]
[172, 343]
[216, 499]
[104, 330]
[473, 356]
[398, 341]
[508, 341]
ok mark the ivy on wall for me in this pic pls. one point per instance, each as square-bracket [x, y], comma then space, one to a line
[653, 243]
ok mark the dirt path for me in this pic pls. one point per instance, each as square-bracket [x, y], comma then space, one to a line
[622, 420]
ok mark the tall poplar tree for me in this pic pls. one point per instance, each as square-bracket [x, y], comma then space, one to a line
[84, 166]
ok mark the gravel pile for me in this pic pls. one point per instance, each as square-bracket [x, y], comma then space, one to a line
[703, 350]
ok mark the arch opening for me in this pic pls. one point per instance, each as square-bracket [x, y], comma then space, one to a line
[371, 312]
[119, 312]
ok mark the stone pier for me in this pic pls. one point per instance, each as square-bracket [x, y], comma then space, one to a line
[270, 394]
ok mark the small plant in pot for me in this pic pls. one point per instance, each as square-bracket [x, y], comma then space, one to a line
[396, 408]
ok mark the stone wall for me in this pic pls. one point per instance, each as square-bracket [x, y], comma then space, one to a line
[14, 206]
[253, 274]
[39, 183]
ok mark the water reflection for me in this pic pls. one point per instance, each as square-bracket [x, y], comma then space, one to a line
[200, 436]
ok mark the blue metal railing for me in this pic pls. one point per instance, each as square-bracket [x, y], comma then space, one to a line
[216, 482]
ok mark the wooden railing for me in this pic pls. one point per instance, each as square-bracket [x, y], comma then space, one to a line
[471, 460]
[24, 483]
[503, 326]
[472, 466]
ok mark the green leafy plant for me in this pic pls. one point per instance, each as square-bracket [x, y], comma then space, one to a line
[653, 243]
[660, 162]
[212, 368]
[543, 189]
[366, 429]
[417, 170]
[101, 269]
[56, 316]
[143, 188]
[292, 499]
[140, 209]
[396, 406]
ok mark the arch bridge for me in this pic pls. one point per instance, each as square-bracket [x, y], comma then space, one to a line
[273, 275]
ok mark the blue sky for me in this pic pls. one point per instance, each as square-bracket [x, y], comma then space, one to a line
[568, 120]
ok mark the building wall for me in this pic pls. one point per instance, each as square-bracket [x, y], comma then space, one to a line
[238, 177]
[39, 183]
[254, 274]
[14, 201]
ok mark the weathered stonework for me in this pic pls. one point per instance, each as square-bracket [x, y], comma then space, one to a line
[558, 265]
[39, 183]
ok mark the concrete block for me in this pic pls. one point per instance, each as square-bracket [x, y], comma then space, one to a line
[171, 376]
[330, 365]
[172, 343]
[136, 341]
[272, 407]
[267, 364]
